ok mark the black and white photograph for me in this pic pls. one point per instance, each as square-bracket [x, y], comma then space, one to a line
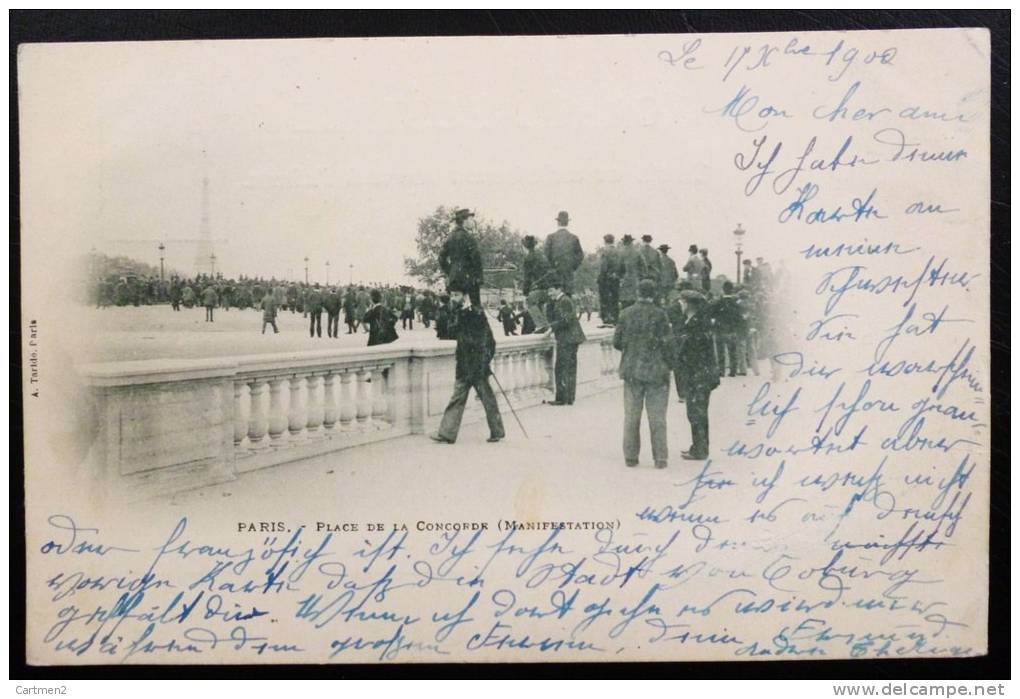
[506, 349]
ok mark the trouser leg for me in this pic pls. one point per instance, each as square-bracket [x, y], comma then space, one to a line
[449, 427]
[492, 415]
[697, 415]
[570, 379]
[633, 402]
[656, 402]
[731, 353]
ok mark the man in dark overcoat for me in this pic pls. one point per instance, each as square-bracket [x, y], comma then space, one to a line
[475, 349]
[461, 260]
[609, 282]
[696, 368]
[668, 274]
[564, 253]
[313, 306]
[631, 270]
[567, 330]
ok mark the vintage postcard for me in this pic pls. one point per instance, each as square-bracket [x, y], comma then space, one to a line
[636, 348]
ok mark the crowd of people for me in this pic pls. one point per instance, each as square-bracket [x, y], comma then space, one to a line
[669, 319]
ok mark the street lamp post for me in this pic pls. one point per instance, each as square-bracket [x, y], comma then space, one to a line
[162, 251]
[327, 272]
[212, 263]
[739, 233]
[306, 269]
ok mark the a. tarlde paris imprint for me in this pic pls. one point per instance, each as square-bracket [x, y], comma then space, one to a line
[604, 348]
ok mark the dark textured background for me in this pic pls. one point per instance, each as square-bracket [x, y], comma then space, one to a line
[61, 25]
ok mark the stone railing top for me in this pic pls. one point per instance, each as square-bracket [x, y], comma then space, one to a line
[126, 373]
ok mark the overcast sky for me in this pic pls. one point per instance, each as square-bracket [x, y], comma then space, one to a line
[335, 148]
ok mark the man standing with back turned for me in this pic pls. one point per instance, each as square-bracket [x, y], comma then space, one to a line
[563, 250]
[644, 337]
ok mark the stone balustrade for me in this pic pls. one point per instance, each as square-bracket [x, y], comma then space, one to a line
[171, 425]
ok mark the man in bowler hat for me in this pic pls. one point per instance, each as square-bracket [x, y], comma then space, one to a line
[695, 367]
[461, 260]
[475, 349]
[567, 329]
[564, 253]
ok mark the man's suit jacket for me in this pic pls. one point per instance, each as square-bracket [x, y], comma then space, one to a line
[646, 340]
[695, 365]
[564, 323]
[563, 250]
[461, 261]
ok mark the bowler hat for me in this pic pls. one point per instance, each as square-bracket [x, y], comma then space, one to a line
[563, 218]
[627, 238]
[462, 214]
[647, 238]
[608, 237]
[664, 247]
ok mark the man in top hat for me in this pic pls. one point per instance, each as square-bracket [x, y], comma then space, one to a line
[609, 282]
[651, 259]
[475, 349]
[460, 259]
[696, 368]
[564, 253]
[644, 337]
[567, 329]
[694, 266]
[668, 274]
[631, 270]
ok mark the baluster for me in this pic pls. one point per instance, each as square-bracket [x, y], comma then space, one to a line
[240, 424]
[507, 374]
[296, 421]
[541, 372]
[346, 401]
[380, 408]
[277, 417]
[520, 367]
[364, 407]
[534, 376]
[548, 359]
[314, 406]
[256, 416]
[329, 398]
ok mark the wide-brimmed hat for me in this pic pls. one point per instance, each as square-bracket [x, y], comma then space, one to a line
[627, 238]
[462, 214]
[664, 247]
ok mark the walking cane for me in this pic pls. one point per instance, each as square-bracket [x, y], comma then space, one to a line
[507, 399]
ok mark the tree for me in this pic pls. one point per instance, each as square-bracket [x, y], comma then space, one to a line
[500, 246]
